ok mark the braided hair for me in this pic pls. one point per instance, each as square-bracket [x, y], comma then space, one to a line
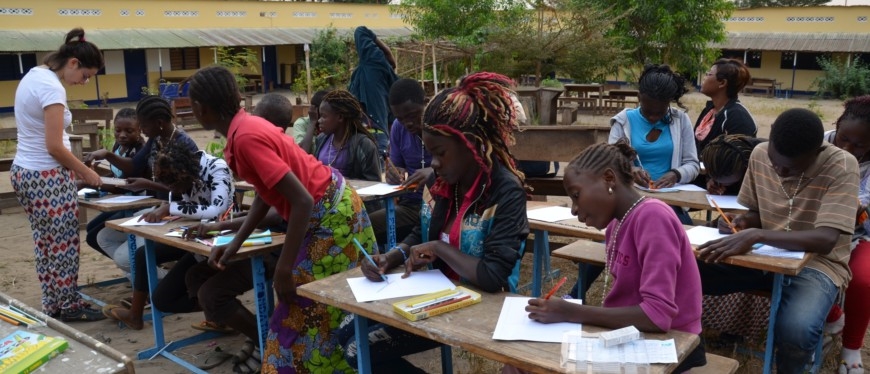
[734, 72]
[177, 165]
[660, 83]
[153, 109]
[601, 156]
[728, 155]
[75, 46]
[856, 108]
[215, 88]
[346, 106]
[478, 110]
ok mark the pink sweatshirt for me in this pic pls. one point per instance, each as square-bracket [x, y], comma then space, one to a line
[654, 267]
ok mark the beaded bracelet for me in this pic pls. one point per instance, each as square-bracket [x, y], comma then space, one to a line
[402, 251]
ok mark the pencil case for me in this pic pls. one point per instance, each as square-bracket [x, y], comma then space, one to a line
[432, 304]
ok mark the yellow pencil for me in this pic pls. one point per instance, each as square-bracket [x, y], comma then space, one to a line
[728, 221]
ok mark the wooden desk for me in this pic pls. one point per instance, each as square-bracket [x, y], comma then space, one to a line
[469, 328]
[84, 354]
[545, 100]
[263, 295]
[691, 199]
[588, 96]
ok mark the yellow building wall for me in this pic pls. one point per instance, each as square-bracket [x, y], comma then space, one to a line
[276, 14]
[777, 19]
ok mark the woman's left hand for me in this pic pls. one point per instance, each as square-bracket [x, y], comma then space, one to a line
[421, 254]
[284, 284]
[667, 180]
[137, 184]
[156, 215]
[549, 310]
[732, 245]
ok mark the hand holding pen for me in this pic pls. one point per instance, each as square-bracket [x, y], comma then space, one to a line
[725, 217]
[370, 260]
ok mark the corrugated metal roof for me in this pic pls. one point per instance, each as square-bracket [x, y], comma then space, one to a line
[49, 40]
[807, 42]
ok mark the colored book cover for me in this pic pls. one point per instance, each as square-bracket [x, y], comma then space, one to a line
[433, 304]
[23, 352]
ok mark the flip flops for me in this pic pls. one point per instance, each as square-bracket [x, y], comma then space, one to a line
[111, 312]
[247, 361]
[213, 326]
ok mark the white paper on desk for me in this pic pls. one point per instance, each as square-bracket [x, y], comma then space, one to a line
[550, 214]
[725, 202]
[688, 187]
[646, 351]
[419, 283]
[123, 199]
[377, 190]
[135, 222]
[514, 324]
[771, 251]
[656, 190]
[699, 234]
[84, 191]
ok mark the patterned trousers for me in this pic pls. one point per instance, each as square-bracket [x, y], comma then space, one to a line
[49, 200]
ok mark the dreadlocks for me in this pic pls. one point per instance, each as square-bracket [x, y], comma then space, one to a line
[661, 83]
[601, 156]
[347, 107]
[478, 111]
[728, 155]
[215, 87]
[177, 165]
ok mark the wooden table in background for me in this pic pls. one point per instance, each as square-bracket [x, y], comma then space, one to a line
[469, 328]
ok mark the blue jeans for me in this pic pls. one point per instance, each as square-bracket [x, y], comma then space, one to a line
[806, 300]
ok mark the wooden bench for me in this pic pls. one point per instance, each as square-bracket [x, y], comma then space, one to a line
[86, 122]
[717, 365]
[182, 111]
[768, 85]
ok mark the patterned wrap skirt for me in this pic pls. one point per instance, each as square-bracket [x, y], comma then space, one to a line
[302, 334]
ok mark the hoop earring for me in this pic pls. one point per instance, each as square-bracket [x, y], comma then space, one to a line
[610, 190]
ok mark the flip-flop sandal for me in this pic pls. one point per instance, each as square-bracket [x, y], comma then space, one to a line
[247, 361]
[110, 311]
[845, 369]
[214, 359]
[127, 302]
[213, 326]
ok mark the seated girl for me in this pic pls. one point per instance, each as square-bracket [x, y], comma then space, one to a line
[656, 286]
[128, 141]
[726, 158]
[344, 143]
[478, 195]
[206, 188]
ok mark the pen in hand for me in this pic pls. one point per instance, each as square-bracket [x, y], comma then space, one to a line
[369, 257]
[555, 288]
[721, 213]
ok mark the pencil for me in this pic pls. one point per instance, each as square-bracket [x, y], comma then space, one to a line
[390, 165]
[728, 221]
[369, 257]
[640, 164]
[555, 288]
[10, 320]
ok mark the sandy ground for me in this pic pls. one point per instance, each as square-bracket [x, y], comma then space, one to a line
[18, 278]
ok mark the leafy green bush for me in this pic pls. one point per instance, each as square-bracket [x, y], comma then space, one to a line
[552, 83]
[842, 81]
[216, 148]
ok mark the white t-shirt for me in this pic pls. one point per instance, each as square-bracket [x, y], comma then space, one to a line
[37, 90]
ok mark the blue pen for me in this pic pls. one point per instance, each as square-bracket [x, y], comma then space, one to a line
[369, 257]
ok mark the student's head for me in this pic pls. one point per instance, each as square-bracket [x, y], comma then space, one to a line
[275, 108]
[853, 128]
[795, 141]
[726, 158]
[314, 108]
[407, 102]
[127, 130]
[77, 60]
[468, 127]
[340, 111]
[214, 96]
[154, 115]
[177, 167]
[657, 87]
[596, 178]
[726, 75]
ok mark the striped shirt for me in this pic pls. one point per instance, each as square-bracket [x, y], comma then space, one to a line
[826, 197]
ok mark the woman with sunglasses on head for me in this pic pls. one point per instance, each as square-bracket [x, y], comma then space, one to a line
[661, 134]
[44, 171]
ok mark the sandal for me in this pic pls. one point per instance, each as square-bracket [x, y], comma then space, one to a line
[214, 359]
[127, 302]
[247, 361]
[111, 311]
[845, 369]
[213, 326]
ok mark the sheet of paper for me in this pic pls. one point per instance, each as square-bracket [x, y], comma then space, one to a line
[699, 234]
[688, 187]
[725, 202]
[135, 222]
[514, 324]
[377, 190]
[656, 190]
[114, 181]
[550, 214]
[122, 199]
[766, 250]
[83, 191]
[645, 351]
[419, 283]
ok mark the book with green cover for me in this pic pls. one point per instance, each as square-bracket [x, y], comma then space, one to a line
[23, 352]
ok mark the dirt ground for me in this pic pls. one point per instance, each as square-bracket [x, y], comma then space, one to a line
[18, 278]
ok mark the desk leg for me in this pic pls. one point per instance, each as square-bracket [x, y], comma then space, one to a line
[542, 255]
[156, 315]
[391, 223]
[131, 248]
[775, 297]
[446, 359]
[363, 359]
[261, 300]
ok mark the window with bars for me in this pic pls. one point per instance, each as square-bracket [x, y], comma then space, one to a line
[805, 60]
[184, 58]
[753, 58]
[9, 69]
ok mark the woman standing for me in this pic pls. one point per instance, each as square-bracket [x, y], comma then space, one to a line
[44, 169]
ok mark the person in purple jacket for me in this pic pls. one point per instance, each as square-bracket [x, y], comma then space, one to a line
[650, 271]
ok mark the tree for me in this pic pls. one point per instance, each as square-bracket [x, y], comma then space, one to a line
[239, 61]
[778, 3]
[675, 32]
[841, 80]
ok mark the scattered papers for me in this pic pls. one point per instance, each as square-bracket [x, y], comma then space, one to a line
[123, 199]
[725, 202]
[419, 283]
[136, 222]
[377, 190]
[647, 351]
[550, 214]
[514, 324]
[699, 235]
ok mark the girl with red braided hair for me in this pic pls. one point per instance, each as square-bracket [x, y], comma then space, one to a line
[474, 225]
